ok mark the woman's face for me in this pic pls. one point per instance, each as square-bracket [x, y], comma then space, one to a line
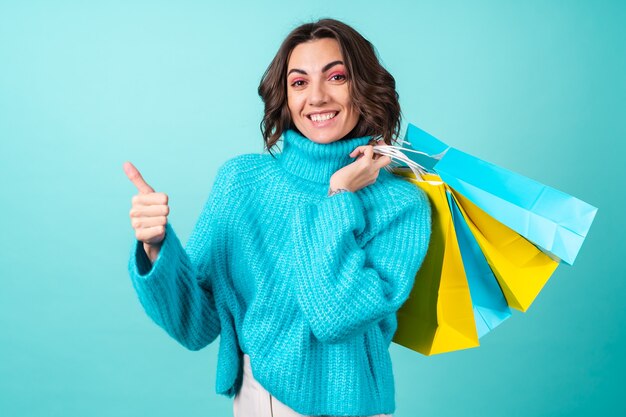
[317, 91]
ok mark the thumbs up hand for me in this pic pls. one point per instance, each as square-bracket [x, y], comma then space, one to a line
[148, 214]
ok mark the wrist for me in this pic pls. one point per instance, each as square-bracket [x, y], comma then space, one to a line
[332, 191]
[152, 251]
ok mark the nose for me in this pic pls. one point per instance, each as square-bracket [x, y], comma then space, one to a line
[318, 95]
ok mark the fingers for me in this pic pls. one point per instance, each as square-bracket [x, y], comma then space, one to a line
[366, 150]
[149, 211]
[148, 215]
[362, 172]
[147, 222]
[150, 235]
[150, 199]
[382, 161]
[358, 150]
[133, 174]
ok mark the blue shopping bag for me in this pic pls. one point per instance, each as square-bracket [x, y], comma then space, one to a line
[488, 302]
[554, 221]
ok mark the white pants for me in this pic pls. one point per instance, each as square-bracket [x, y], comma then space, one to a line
[254, 401]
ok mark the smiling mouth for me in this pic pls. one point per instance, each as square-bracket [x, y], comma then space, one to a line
[321, 117]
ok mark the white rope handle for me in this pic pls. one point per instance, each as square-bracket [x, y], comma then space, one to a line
[399, 158]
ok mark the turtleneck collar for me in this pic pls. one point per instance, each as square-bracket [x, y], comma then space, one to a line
[314, 161]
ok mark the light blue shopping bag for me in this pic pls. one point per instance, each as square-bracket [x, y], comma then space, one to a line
[554, 221]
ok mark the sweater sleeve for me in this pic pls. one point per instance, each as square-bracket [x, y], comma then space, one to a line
[343, 288]
[176, 291]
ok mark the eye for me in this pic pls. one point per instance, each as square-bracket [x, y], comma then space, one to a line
[338, 77]
[297, 83]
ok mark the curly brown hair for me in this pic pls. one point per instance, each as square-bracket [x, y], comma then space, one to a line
[372, 87]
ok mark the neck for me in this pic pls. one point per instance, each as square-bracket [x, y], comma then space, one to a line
[314, 161]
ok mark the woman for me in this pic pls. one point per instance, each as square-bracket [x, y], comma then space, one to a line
[299, 261]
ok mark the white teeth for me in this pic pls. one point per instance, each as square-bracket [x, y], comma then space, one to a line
[322, 117]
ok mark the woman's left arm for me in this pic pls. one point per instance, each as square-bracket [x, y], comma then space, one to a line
[344, 288]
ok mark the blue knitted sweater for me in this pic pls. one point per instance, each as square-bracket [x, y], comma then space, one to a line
[307, 285]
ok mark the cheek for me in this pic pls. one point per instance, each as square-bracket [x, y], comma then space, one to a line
[346, 99]
[353, 113]
[349, 105]
[292, 104]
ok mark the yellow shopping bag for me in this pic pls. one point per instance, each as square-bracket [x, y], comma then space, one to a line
[520, 267]
[438, 315]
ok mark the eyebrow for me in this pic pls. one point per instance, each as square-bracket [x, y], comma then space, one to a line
[326, 67]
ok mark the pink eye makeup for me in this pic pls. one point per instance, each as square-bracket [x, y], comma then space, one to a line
[338, 76]
[297, 82]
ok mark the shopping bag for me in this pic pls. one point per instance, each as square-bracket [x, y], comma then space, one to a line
[499, 267]
[488, 302]
[554, 221]
[438, 317]
[520, 267]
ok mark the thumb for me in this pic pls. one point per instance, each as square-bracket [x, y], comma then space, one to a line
[133, 174]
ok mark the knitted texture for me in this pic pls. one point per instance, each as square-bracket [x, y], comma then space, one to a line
[307, 285]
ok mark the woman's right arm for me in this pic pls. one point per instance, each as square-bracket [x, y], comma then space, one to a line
[175, 284]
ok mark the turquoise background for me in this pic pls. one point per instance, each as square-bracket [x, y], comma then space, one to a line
[538, 87]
